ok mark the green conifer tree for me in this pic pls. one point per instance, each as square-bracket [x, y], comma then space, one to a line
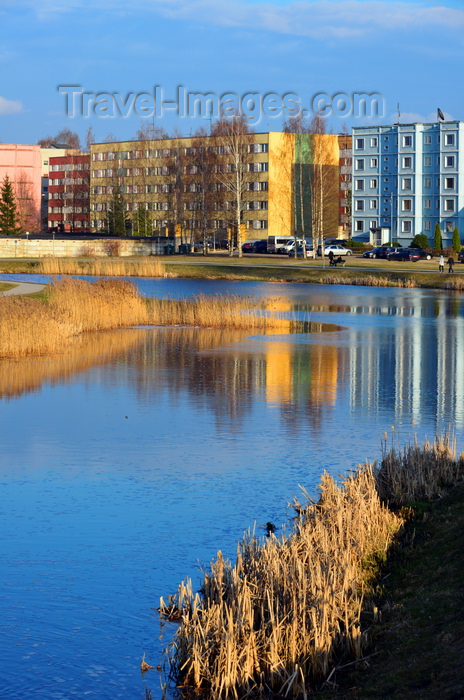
[116, 215]
[9, 218]
[456, 240]
[437, 239]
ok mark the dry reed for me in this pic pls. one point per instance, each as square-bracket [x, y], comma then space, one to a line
[30, 326]
[147, 267]
[370, 281]
[277, 619]
[418, 473]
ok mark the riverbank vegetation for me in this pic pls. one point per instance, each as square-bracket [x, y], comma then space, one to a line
[102, 267]
[360, 271]
[292, 610]
[72, 306]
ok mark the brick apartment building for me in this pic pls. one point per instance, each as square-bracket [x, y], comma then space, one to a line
[69, 193]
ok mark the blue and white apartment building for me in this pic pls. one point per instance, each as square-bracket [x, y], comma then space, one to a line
[406, 178]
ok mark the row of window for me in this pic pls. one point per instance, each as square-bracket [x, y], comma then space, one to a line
[448, 162]
[213, 224]
[171, 152]
[406, 204]
[406, 225]
[449, 183]
[166, 188]
[406, 140]
[166, 206]
[217, 168]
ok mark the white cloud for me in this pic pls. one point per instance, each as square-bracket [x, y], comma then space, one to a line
[315, 18]
[10, 106]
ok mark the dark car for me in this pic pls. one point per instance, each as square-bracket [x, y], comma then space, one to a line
[260, 246]
[410, 254]
[370, 253]
[383, 251]
[422, 254]
[248, 247]
[461, 256]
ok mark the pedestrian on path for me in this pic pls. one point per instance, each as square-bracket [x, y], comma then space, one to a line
[450, 264]
[441, 264]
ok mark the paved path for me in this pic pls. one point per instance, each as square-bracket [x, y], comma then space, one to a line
[23, 288]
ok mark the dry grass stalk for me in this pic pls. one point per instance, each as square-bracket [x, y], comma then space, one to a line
[149, 267]
[30, 326]
[288, 607]
[456, 285]
[370, 281]
[419, 473]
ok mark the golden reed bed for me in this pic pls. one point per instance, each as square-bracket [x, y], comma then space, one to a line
[278, 621]
[31, 326]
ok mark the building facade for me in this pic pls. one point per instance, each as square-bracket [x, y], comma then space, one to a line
[185, 185]
[345, 194]
[69, 193]
[406, 179]
[22, 163]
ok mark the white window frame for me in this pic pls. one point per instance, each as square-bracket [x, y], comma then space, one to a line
[359, 144]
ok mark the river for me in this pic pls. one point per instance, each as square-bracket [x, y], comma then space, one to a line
[127, 461]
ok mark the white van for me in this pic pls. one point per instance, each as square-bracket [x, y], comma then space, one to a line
[274, 243]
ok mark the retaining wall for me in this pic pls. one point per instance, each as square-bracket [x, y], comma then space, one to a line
[72, 248]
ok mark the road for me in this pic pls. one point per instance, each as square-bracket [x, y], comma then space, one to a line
[23, 288]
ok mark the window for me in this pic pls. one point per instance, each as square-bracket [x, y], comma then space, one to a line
[359, 205]
[449, 183]
[406, 205]
[359, 226]
[373, 223]
[407, 162]
[359, 144]
[359, 163]
[359, 185]
[427, 203]
[427, 139]
[427, 226]
[449, 139]
[373, 204]
[427, 161]
[374, 142]
[407, 183]
[374, 162]
[258, 167]
[449, 204]
[449, 226]
[449, 161]
[407, 141]
[374, 183]
[427, 183]
[406, 226]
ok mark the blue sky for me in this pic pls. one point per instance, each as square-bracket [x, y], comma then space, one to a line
[409, 53]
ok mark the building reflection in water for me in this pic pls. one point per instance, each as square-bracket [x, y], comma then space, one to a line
[396, 356]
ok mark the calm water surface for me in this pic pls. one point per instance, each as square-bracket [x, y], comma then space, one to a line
[129, 460]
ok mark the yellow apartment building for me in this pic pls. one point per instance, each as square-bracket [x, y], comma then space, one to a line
[184, 186]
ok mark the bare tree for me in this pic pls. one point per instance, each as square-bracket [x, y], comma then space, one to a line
[324, 183]
[28, 212]
[89, 139]
[63, 137]
[150, 132]
[235, 166]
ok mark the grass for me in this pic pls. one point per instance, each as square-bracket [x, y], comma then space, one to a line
[71, 306]
[267, 268]
[291, 614]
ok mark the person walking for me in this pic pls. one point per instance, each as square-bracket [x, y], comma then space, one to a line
[441, 264]
[331, 256]
[450, 264]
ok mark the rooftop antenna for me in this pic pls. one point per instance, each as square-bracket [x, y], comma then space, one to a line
[399, 113]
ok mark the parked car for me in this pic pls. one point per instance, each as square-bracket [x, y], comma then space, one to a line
[337, 250]
[248, 247]
[260, 246]
[461, 256]
[411, 254]
[383, 251]
[371, 253]
[309, 252]
[423, 254]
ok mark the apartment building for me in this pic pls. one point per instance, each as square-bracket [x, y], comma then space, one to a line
[345, 194]
[22, 164]
[406, 179]
[69, 193]
[46, 153]
[177, 184]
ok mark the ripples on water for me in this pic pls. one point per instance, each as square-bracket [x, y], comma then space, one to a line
[135, 455]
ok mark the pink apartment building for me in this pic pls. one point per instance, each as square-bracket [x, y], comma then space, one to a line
[23, 165]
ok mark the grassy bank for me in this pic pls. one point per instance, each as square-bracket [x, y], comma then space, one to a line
[71, 306]
[265, 268]
[291, 611]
